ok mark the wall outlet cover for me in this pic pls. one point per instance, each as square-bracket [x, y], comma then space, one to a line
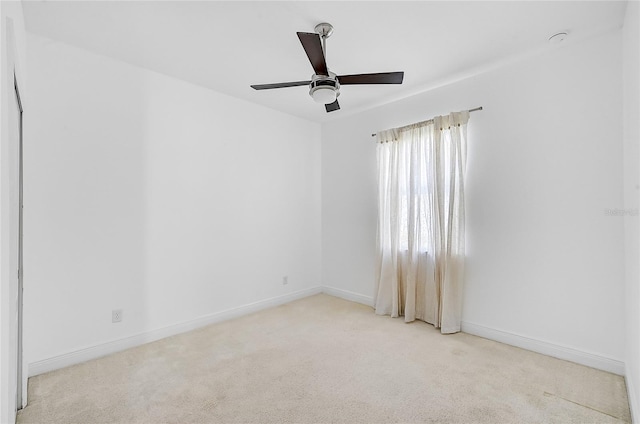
[116, 315]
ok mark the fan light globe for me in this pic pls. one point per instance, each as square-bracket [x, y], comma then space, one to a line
[324, 95]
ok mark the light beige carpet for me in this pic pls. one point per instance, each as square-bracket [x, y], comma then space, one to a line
[323, 359]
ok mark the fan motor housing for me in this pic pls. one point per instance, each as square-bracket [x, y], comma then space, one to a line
[320, 82]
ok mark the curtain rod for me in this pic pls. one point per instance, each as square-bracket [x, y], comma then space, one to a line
[470, 110]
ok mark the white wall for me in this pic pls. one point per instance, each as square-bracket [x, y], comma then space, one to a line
[165, 199]
[544, 261]
[13, 57]
[631, 110]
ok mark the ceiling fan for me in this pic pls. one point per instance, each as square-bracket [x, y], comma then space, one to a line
[324, 86]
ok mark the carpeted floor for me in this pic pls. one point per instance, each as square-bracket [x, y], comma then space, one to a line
[323, 359]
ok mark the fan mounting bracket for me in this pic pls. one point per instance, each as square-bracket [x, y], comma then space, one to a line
[324, 29]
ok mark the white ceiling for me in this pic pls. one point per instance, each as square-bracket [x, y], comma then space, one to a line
[227, 46]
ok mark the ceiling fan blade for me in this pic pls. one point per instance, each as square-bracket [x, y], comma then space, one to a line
[379, 78]
[279, 85]
[332, 106]
[313, 47]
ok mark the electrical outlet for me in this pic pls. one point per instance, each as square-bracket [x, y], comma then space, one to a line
[116, 315]
[285, 280]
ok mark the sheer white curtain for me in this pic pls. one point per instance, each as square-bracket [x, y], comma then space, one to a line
[420, 262]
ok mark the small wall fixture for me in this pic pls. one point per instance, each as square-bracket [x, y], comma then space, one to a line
[558, 38]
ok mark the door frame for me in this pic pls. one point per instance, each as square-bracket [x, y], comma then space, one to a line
[19, 400]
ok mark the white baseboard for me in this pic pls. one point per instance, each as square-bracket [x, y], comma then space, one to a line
[348, 295]
[546, 348]
[633, 399]
[551, 349]
[93, 352]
